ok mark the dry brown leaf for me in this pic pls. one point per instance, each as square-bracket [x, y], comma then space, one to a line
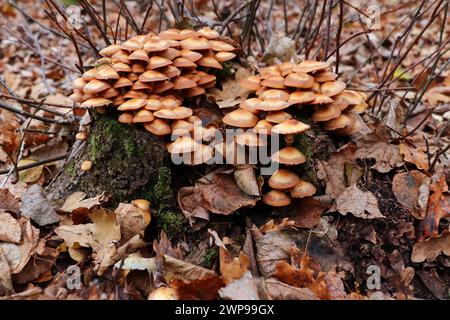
[232, 268]
[192, 209]
[6, 286]
[178, 269]
[10, 230]
[277, 290]
[231, 94]
[333, 170]
[78, 200]
[376, 146]
[415, 155]
[206, 288]
[131, 221]
[246, 288]
[412, 190]
[35, 205]
[8, 202]
[30, 175]
[246, 180]
[361, 204]
[303, 213]
[431, 248]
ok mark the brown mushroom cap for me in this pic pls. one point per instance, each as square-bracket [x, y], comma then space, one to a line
[286, 68]
[174, 114]
[183, 144]
[252, 83]
[290, 126]
[110, 50]
[205, 78]
[332, 88]
[195, 44]
[274, 82]
[340, 102]
[181, 127]
[170, 53]
[209, 62]
[182, 82]
[275, 94]
[153, 104]
[276, 198]
[109, 93]
[170, 71]
[289, 156]
[301, 97]
[263, 127]
[89, 75]
[250, 105]
[271, 105]
[299, 80]
[152, 75]
[360, 108]
[157, 127]
[324, 76]
[193, 92]
[208, 33]
[354, 126]
[95, 102]
[135, 94]
[94, 86]
[155, 45]
[79, 83]
[337, 123]
[302, 189]
[132, 104]
[140, 55]
[162, 86]
[353, 97]
[170, 102]
[224, 56]
[137, 68]
[138, 85]
[217, 45]
[283, 179]
[250, 138]
[325, 113]
[158, 62]
[202, 155]
[123, 82]
[240, 118]
[131, 45]
[121, 67]
[187, 33]
[278, 117]
[311, 65]
[126, 117]
[181, 62]
[191, 55]
[106, 72]
[170, 34]
[321, 99]
[143, 116]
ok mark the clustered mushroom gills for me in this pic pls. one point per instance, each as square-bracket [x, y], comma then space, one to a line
[147, 78]
[283, 87]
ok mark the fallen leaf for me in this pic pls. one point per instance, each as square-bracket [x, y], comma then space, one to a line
[412, 190]
[192, 208]
[39, 264]
[415, 155]
[206, 288]
[29, 175]
[431, 248]
[78, 200]
[178, 269]
[431, 280]
[8, 202]
[10, 230]
[361, 204]
[246, 180]
[232, 268]
[303, 213]
[231, 94]
[136, 262]
[245, 288]
[131, 220]
[36, 206]
[6, 286]
[280, 47]
[277, 290]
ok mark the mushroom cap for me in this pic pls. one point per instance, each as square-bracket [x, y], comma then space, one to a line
[137, 68]
[290, 126]
[126, 117]
[286, 68]
[250, 105]
[173, 114]
[120, 56]
[263, 127]
[106, 72]
[153, 104]
[163, 293]
[143, 116]
[94, 86]
[353, 97]
[332, 88]
[299, 80]
[79, 83]
[250, 138]
[340, 102]
[354, 126]
[170, 102]
[132, 104]
[301, 97]
[162, 86]
[217, 45]
[152, 75]
[193, 92]
[240, 118]
[155, 45]
[110, 50]
[337, 123]
[302, 189]
[89, 75]
[158, 62]
[311, 65]
[195, 44]
[278, 117]
[252, 83]
[140, 55]
[325, 113]
[289, 156]
[123, 82]
[183, 144]
[275, 94]
[138, 85]
[274, 82]
[170, 53]
[170, 71]
[276, 198]
[95, 102]
[321, 99]
[324, 76]
[202, 155]
[205, 78]
[190, 55]
[109, 93]
[188, 33]
[208, 33]
[131, 45]
[283, 179]
[181, 127]
[182, 82]
[170, 34]
[121, 67]
[181, 62]
[272, 105]
[209, 62]
[223, 56]
[158, 127]
[135, 94]
[133, 76]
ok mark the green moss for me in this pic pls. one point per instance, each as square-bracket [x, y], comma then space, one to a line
[171, 222]
[70, 169]
[305, 144]
[209, 257]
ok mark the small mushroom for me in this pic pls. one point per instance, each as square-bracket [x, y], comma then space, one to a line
[337, 123]
[143, 116]
[95, 86]
[302, 189]
[289, 156]
[126, 117]
[299, 80]
[311, 65]
[290, 126]
[132, 104]
[276, 198]
[158, 127]
[283, 179]
[240, 118]
[332, 88]
[252, 83]
[183, 144]
[325, 113]
[278, 117]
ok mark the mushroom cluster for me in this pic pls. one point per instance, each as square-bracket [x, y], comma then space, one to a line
[147, 77]
[280, 89]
